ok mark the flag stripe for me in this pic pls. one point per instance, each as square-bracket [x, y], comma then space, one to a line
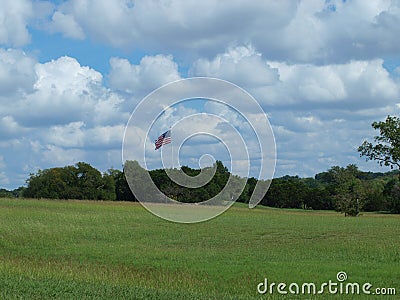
[163, 139]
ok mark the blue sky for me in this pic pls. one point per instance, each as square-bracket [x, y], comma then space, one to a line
[72, 72]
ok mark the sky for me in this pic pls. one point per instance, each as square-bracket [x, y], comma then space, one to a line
[72, 72]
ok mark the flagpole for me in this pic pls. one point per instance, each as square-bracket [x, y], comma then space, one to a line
[172, 148]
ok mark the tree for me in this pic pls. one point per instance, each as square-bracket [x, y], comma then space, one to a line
[122, 190]
[6, 194]
[386, 147]
[318, 198]
[81, 181]
[351, 197]
[392, 194]
[183, 193]
[346, 189]
[374, 198]
[19, 192]
[108, 189]
[46, 184]
[287, 192]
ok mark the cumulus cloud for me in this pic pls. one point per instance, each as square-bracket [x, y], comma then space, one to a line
[353, 29]
[17, 73]
[67, 136]
[55, 113]
[151, 73]
[65, 92]
[77, 135]
[320, 113]
[67, 25]
[235, 62]
[355, 84]
[173, 23]
[106, 21]
[310, 140]
[10, 128]
[298, 31]
[53, 155]
[14, 17]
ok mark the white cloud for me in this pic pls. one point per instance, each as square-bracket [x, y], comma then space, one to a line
[64, 92]
[298, 31]
[70, 135]
[206, 26]
[356, 84]
[105, 136]
[66, 74]
[9, 128]
[14, 17]
[109, 109]
[151, 73]
[77, 135]
[17, 73]
[55, 113]
[320, 113]
[57, 156]
[107, 21]
[308, 144]
[67, 25]
[236, 62]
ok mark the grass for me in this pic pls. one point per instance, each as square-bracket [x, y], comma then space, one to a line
[97, 250]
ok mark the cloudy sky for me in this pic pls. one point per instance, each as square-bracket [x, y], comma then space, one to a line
[71, 73]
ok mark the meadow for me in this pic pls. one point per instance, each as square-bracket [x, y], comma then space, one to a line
[98, 250]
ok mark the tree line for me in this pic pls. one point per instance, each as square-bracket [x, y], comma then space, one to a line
[345, 189]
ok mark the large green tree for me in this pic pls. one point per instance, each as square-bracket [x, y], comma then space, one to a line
[386, 151]
[81, 181]
[386, 146]
[346, 188]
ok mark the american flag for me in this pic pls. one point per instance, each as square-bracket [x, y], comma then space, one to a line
[163, 139]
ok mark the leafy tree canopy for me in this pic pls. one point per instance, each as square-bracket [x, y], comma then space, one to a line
[386, 146]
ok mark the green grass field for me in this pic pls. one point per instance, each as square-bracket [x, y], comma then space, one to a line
[86, 249]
